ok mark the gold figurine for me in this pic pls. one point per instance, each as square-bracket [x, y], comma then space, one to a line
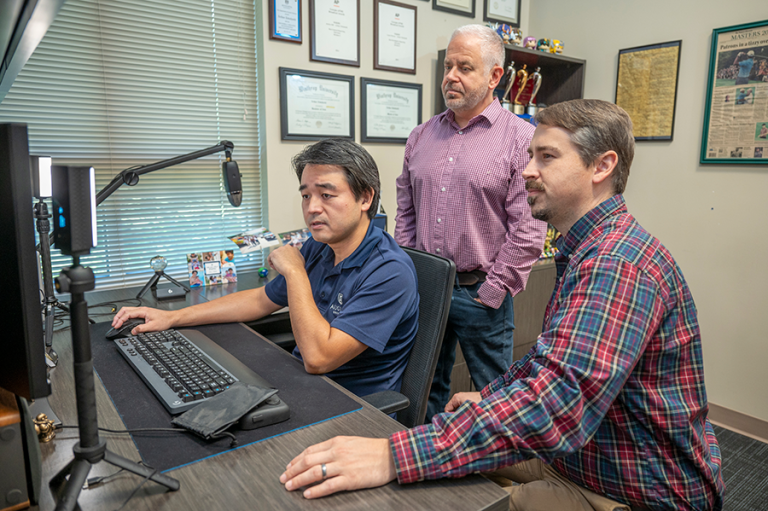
[522, 76]
[44, 428]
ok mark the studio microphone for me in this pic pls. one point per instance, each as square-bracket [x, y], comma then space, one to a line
[232, 181]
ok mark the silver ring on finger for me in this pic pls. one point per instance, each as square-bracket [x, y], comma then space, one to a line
[325, 471]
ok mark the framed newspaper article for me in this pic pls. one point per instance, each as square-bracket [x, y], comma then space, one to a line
[736, 113]
[646, 87]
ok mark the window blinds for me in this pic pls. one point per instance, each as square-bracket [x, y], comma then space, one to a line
[123, 83]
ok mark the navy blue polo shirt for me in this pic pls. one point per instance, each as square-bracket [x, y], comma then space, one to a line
[372, 296]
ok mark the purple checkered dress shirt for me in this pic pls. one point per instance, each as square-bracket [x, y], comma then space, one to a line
[462, 196]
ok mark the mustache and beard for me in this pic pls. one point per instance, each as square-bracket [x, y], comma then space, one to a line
[468, 99]
[540, 214]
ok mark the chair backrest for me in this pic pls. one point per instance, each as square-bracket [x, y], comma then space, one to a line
[436, 278]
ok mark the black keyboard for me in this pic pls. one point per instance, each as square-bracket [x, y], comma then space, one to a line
[184, 367]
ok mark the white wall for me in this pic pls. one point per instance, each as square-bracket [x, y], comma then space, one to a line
[709, 216]
[433, 30]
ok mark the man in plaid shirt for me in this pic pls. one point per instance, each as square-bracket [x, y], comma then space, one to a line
[609, 409]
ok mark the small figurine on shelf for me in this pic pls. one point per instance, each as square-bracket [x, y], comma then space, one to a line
[522, 76]
[557, 46]
[517, 37]
[529, 42]
[543, 45]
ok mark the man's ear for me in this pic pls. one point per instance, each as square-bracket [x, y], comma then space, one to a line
[496, 73]
[604, 166]
[367, 199]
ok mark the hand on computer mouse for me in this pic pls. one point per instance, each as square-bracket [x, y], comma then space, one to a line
[154, 320]
[124, 330]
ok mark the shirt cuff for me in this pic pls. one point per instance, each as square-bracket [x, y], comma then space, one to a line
[414, 454]
[490, 295]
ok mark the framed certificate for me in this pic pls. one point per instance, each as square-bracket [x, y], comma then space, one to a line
[735, 116]
[502, 11]
[646, 87]
[335, 31]
[394, 36]
[285, 20]
[460, 7]
[390, 110]
[315, 106]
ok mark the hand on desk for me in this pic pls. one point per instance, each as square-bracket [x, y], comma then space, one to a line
[460, 397]
[351, 463]
[155, 320]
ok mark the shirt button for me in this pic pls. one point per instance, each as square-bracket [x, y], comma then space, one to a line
[443, 189]
[439, 220]
[461, 133]
[450, 158]
[322, 295]
[437, 250]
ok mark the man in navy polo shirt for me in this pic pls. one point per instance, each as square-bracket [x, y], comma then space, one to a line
[351, 290]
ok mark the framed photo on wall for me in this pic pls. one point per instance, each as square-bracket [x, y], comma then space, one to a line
[646, 87]
[389, 110]
[460, 7]
[735, 116]
[394, 36]
[285, 20]
[502, 11]
[314, 105]
[335, 31]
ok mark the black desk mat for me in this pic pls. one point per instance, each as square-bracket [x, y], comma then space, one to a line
[310, 398]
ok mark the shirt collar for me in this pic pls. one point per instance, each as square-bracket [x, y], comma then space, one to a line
[371, 240]
[586, 224]
[490, 114]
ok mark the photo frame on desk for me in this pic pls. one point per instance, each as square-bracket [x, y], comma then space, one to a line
[646, 87]
[334, 27]
[394, 36]
[460, 7]
[389, 110]
[502, 11]
[285, 20]
[735, 125]
[315, 106]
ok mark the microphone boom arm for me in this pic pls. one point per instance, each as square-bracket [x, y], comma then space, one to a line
[131, 176]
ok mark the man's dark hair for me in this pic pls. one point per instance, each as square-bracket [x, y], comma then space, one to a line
[359, 167]
[597, 127]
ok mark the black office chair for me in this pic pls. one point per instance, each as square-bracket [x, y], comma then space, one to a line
[436, 277]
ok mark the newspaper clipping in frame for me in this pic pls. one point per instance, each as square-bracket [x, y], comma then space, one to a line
[738, 116]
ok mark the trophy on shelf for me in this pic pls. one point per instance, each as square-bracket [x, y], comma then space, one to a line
[522, 76]
[536, 77]
[510, 81]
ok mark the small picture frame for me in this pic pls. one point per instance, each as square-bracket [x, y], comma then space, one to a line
[394, 36]
[211, 268]
[316, 106]
[502, 11]
[460, 7]
[285, 20]
[334, 27]
[389, 110]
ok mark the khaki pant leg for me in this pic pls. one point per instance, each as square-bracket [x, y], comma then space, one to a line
[535, 486]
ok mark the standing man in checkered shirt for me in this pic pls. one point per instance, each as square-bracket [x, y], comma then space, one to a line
[461, 196]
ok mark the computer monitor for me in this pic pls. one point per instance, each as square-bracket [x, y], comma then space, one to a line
[22, 362]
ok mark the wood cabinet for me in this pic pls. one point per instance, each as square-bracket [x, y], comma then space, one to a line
[562, 77]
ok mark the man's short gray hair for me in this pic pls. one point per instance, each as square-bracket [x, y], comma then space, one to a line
[491, 45]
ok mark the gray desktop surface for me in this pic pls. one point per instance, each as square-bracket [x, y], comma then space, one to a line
[245, 478]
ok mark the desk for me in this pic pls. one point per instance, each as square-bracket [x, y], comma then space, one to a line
[245, 478]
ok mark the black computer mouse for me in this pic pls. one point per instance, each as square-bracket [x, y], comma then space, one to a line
[125, 330]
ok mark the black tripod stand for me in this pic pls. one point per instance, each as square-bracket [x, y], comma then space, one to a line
[152, 283]
[91, 449]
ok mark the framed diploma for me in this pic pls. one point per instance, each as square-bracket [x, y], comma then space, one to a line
[736, 117]
[285, 20]
[394, 36]
[314, 106]
[502, 11]
[335, 31]
[460, 7]
[390, 110]
[646, 87]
